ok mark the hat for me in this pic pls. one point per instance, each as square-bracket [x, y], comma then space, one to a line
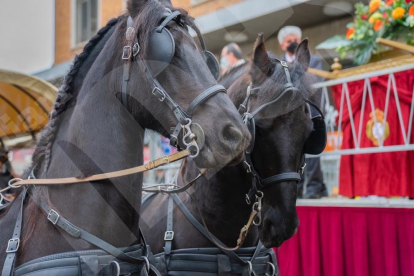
[288, 30]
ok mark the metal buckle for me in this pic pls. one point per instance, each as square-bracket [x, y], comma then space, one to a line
[14, 180]
[49, 216]
[162, 98]
[135, 49]
[9, 244]
[284, 63]
[169, 235]
[126, 53]
[117, 267]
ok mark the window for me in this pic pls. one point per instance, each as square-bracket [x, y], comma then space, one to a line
[86, 18]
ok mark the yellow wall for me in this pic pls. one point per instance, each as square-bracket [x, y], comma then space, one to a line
[62, 31]
[205, 7]
[63, 25]
[110, 9]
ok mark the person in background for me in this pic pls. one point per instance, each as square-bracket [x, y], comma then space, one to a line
[5, 169]
[289, 38]
[231, 56]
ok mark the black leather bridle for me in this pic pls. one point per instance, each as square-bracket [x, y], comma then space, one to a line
[189, 139]
[248, 118]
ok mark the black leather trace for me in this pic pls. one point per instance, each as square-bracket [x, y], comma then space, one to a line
[160, 56]
[316, 142]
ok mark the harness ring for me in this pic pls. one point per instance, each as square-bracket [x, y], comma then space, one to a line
[14, 180]
[273, 269]
[118, 268]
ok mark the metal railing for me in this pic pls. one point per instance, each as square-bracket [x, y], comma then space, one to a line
[330, 160]
[367, 101]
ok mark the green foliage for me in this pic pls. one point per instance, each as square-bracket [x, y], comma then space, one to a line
[390, 19]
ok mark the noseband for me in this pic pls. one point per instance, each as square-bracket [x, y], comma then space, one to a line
[248, 119]
[163, 36]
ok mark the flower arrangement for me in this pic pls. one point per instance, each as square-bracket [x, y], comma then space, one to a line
[389, 19]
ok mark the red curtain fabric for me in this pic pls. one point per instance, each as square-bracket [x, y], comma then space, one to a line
[382, 174]
[350, 241]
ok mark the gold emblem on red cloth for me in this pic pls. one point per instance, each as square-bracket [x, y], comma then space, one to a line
[377, 129]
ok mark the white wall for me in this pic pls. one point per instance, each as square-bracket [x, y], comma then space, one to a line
[27, 35]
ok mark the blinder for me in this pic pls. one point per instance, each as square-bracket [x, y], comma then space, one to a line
[162, 47]
[316, 142]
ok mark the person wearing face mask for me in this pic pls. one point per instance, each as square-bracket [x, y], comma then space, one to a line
[289, 38]
[231, 56]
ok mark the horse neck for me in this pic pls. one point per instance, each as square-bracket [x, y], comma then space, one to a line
[221, 200]
[98, 135]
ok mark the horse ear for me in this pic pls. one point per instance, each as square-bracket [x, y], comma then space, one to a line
[262, 65]
[303, 54]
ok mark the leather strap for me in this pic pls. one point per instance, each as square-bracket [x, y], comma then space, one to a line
[290, 176]
[74, 180]
[56, 219]
[167, 20]
[204, 96]
[159, 188]
[206, 233]
[254, 113]
[14, 242]
[169, 234]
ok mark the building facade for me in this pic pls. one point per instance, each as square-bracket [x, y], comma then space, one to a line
[220, 21]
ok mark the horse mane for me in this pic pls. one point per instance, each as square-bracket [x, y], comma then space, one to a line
[65, 94]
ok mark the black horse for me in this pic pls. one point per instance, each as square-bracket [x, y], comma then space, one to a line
[91, 131]
[221, 198]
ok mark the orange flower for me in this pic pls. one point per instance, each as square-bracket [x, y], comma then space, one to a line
[398, 13]
[378, 25]
[374, 5]
[411, 10]
[349, 33]
[389, 2]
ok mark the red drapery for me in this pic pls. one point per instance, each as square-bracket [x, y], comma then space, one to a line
[350, 241]
[382, 174]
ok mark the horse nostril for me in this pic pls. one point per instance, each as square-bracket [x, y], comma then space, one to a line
[232, 136]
